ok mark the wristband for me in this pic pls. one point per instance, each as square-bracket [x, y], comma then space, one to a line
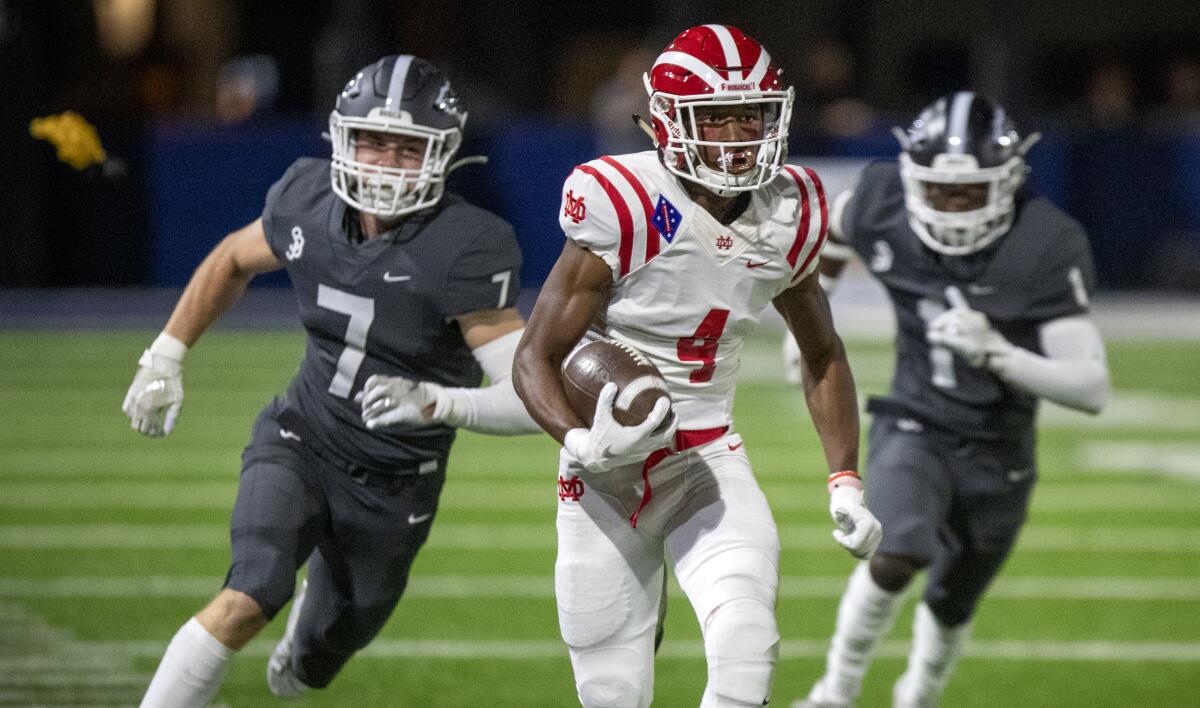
[169, 347]
[845, 478]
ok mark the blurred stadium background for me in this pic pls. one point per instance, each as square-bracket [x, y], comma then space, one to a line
[108, 541]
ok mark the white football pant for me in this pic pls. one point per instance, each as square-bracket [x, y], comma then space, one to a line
[707, 512]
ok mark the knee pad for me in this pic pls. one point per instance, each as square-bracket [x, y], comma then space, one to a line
[893, 573]
[741, 642]
[593, 602]
[609, 691]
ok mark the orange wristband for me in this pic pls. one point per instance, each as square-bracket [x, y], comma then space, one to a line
[845, 478]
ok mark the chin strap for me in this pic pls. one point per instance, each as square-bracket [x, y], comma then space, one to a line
[640, 122]
[464, 161]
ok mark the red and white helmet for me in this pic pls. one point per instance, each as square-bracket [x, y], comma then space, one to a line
[717, 65]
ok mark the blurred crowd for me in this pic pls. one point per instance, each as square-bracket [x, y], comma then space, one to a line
[129, 67]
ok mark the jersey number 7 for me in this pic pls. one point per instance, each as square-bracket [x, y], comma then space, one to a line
[362, 312]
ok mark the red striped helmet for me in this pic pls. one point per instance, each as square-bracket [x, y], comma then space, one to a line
[717, 65]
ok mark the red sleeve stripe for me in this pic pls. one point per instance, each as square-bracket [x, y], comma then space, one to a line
[624, 218]
[805, 218]
[647, 208]
[823, 229]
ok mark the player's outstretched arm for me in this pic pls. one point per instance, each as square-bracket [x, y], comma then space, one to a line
[155, 397]
[1073, 372]
[830, 394]
[495, 409]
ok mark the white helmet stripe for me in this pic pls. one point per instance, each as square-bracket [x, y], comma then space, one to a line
[956, 129]
[692, 64]
[760, 68]
[395, 92]
[732, 57]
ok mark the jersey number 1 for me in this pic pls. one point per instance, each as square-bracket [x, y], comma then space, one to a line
[702, 345]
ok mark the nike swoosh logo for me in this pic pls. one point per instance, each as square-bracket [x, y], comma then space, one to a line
[288, 435]
[389, 278]
[980, 289]
[751, 264]
[1019, 475]
[734, 447]
[413, 519]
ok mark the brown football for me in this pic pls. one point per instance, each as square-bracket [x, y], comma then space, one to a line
[595, 363]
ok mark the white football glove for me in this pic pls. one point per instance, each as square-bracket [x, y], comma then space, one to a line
[608, 444]
[156, 394]
[389, 400]
[966, 332]
[858, 530]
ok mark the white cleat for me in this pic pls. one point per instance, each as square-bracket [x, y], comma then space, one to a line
[281, 678]
[818, 698]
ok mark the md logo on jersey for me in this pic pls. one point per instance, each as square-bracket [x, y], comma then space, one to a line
[296, 248]
[574, 207]
[666, 218]
[570, 489]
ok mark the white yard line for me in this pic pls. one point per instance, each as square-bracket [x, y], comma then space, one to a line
[540, 537]
[542, 587]
[1172, 459]
[90, 493]
[1020, 650]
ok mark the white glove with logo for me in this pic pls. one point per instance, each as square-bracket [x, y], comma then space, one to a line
[858, 530]
[966, 332]
[608, 444]
[388, 400]
[156, 394]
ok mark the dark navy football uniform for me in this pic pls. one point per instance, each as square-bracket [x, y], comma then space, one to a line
[313, 476]
[951, 448]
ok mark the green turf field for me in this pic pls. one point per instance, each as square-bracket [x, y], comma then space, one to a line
[109, 541]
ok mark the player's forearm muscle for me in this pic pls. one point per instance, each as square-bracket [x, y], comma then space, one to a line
[575, 291]
[219, 281]
[828, 382]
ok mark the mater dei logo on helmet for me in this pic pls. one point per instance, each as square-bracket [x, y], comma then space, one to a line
[743, 86]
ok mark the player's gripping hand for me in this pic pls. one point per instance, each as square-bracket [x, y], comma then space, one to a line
[966, 332]
[608, 444]
[858, 531]
[389, 400]
[156, 394]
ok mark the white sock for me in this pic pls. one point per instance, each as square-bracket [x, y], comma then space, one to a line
[935, 649]
[190, 671]
[865, 615]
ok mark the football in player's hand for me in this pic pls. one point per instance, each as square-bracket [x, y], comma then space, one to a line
[590, 366]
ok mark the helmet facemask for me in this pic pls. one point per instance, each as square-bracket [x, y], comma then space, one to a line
[390, 192]
[957, 233]
[681, 146]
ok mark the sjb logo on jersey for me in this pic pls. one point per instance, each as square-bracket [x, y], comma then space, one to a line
[724, 243]
[574, 207]
[296, 249]
[666, 218]
[570, 489]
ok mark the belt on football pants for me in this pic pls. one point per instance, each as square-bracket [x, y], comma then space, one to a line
[684, 439]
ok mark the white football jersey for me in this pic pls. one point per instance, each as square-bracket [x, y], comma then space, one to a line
[686, 289]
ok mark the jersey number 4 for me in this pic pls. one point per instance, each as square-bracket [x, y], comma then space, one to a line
[702, 345]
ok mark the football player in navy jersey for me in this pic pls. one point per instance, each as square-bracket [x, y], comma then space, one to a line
[407, 294]
[990, 287]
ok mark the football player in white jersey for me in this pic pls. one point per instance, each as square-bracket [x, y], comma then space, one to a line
[676, 252]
